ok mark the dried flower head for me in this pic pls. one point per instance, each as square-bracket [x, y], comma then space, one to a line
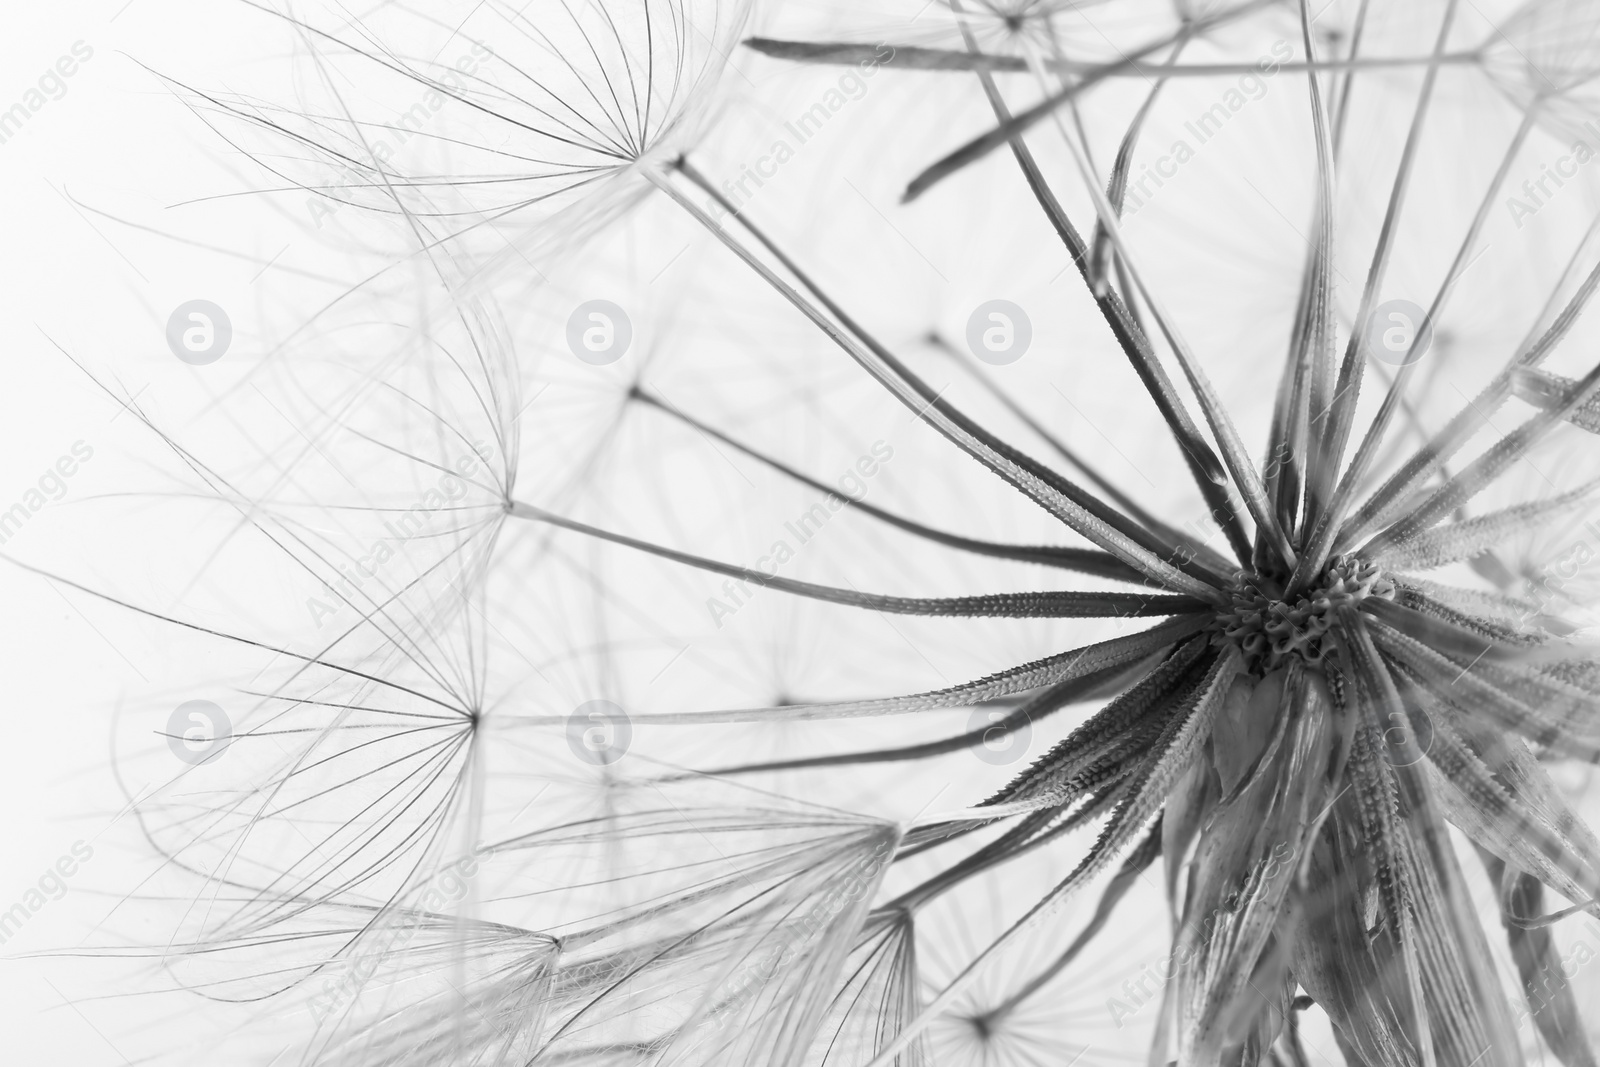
[519, 125]
[1297, 699]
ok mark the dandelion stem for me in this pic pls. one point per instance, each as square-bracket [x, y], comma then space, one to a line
[1481, 471]
[981, 146]
[1331, 423]
[995, 605]
[1063, 666]
[918, 57]
[1245, 477]
[1217, 564]
[1050, 701]
[1342, 111]
[1082, 560]
[1117, 188]
[1172, 753]
[1148, 536]
[1470, 418]
[1308, 376]
[1203, 463]
[1057, 496]
[1115, 890]
[1360, 465]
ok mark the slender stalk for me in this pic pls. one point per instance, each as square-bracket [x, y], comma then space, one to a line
[1117, 188]
[995, 605]
[1046, 703]
[1146, 535]
[919, 57]
[1481, 471]
[1131, 816]
[1361, 463]
[1216, 563]
[1343, 109]
[1245, 477]
[1033, 482]
[1132, 868]
[1308, 374]
[1331, 423]
[1082, 560]
[1104, 232]
[1095, 659]
[979, 147]
[1203, 464]
[1482, 407]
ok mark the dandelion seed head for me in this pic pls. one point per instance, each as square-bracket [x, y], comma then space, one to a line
[1267, 631]
[1260, 729]
[522, 123]
[1547, 55]
[1555, 45]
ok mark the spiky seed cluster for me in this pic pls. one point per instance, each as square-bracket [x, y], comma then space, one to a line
[1268, 631]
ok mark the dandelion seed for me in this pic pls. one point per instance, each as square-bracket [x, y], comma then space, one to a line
[520, 125]
[1546, 57]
